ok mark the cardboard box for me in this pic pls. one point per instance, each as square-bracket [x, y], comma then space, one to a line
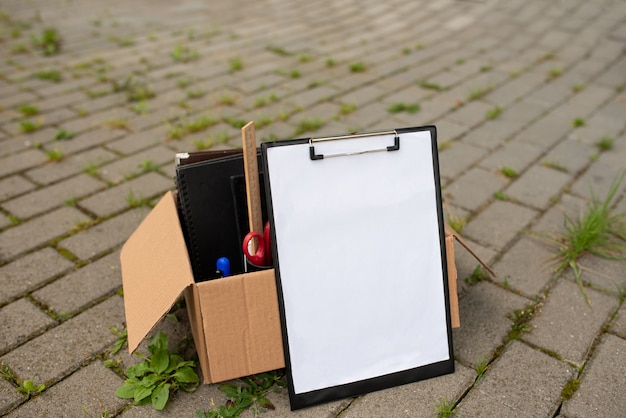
[234, 321]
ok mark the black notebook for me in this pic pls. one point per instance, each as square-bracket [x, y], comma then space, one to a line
[213, 210]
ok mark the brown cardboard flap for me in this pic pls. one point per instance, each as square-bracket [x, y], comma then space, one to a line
[155, 269]
[242, 325]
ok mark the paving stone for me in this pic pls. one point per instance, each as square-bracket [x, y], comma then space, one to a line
[36, 232]
[448, 130]
[490, 134]
[69, 345]
[471, 114]
[20, 162]
[132, 166]
[13, 186]
[522, 382]
[29, 272]
[88, 392]
[458, 158]
[484, 325]
[115, 199]
[50, 197]
[474, 188]
[499, 223]
[512, 154]
[19, 321]
[569, 155]
[596, 181]
[567, 325]
[70, 165]
[104, 236]
[603, 382]
[618, 325]
[9, 397]
[538, 186]
[603, 274]
[88, 139]
[526, 267]
[415, 399]
[87, 284]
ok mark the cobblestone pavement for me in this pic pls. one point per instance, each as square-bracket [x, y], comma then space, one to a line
[528, 98]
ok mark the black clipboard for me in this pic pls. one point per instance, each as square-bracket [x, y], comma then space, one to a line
[359, 252]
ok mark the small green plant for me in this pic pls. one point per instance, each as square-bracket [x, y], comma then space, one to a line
[122, 339]
[235, 64]
[14, 220]
[29, 125]
[148, 165]
[509, 172]
[140, 108]
[305, 58]
[555, 166]
[63, 135]
[294, 74]
[570, 389]
[444, 145]
[577, 88]
[485, 68]
[161, 373]
[226, 99]
[7, 374]
[123, 42]
[195, 94]
[347, 108]
[278, 50]
[403, 107]
[118, 124]
[136, 90]
[481, 367]
[357, 67]
[457, 223]
[29, 110]
[500, 195]
[91, 169]
[521, 321]
[494, 112]
[136, 201]
[29, 388]
[478, 275]
[597, 231]
[605, 143]
[253, 394]
[578, 122]
[478, 92]
[235, 123]
[330, 63]
[201, 144]
[430, 86]
[49, 41]
[182, 53]
[54, 154]
[444, 408]
[308, 125]
[554, 72]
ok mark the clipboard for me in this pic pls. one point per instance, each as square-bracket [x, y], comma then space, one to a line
[359, 252]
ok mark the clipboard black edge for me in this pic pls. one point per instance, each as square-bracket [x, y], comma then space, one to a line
[307, 399]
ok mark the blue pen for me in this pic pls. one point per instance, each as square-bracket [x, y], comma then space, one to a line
[223, 266]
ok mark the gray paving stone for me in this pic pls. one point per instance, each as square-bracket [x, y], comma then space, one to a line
[490, 134]
[552, 220]
[499, 223]
[522, 382]
[104, 236]
[538, 186]
[474, 188]
[115, 199]
[526, 267]
[13, 186]
[603, 274]
[569, 155]
[458, 158]
[513, 154]
[618, 325]
[484, 325]
[38, 231]
[471, 114]
[132, 166]
[85, 140]
[86, 285]
[566, 324]
[20, 162]
[603, 382]
[415, 399]
[53, 196]
[19, 321]
[466, 263]
[88, 392]
[69, 345]
[9, 397]
[596, 181]
[29, 272]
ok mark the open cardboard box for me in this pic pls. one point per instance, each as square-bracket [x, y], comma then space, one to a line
[234, 321]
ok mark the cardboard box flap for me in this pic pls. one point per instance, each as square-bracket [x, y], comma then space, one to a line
[460, 240]
[155, 269]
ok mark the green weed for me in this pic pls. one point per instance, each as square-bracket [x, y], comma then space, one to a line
[330, 63]
[226, 99]
[444, 408]
[605, 143]
[182, 53]
[578, 122]
[308, 125]
[29, 125]
[63, 135]
[481, 367]
[556, 166]
[554, 73]
[140, 108]
[148, 165]
[29, 110]
[136, 90]
[152, 380]
[494, 112]
[457, 223]
[54, 154]
[29, 388]
[478, 275]
[569, 389]
[136, 201]
[122, 339]
[478, 92]
[195, 94]
[252, 394]
[597, 231]
[358, 67]
[500, 195]
[235, 123]
[278, 50]
[509, 172]
[49, 41]
[347, 108]
[235, 64]
[577, 88]
[411, 108]
[203, 144]
[430, 86]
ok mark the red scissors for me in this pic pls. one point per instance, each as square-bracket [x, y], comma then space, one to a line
[263, 255]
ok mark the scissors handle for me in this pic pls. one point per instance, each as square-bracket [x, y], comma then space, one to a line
[263, 256]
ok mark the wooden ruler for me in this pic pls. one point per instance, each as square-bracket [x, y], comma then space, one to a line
[251, 171]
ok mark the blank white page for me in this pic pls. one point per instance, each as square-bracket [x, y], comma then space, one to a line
[359, 259]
